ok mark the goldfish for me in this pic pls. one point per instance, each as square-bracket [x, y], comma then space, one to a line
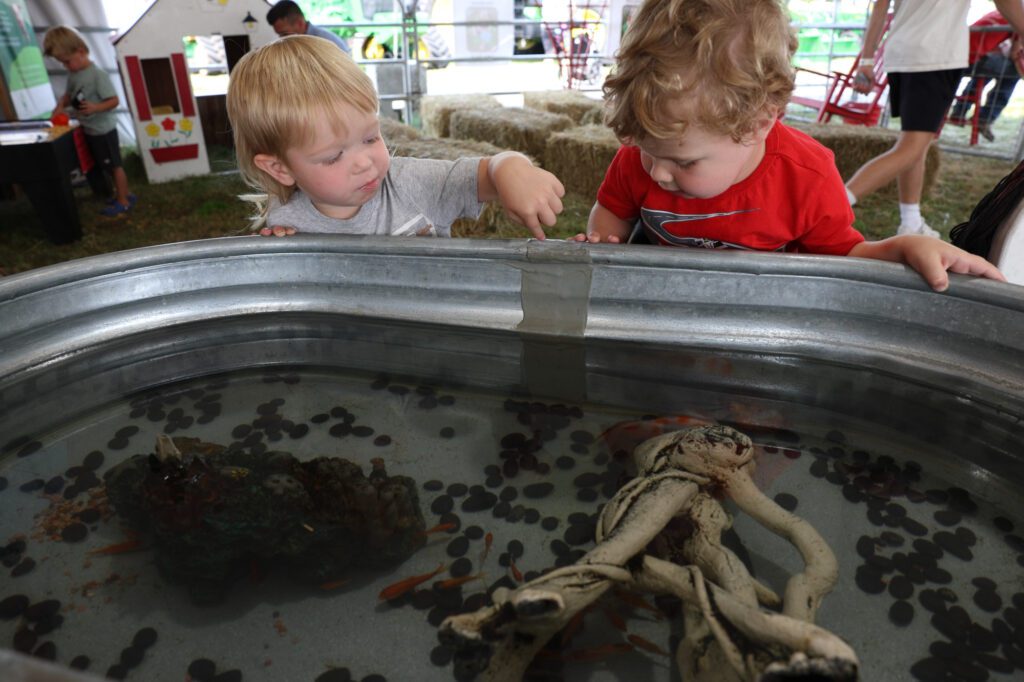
[516, 573]
[333, 584]
[396, 590]
[119, 547]
[488, 540]
[573, 626]
[439, 528]
[646, 644]
[638, 602]
[455, 582]
[615, 619]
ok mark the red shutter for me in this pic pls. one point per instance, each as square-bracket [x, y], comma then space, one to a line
[138, 87]
[184, 85]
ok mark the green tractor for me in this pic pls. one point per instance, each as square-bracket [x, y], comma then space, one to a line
[384, 42]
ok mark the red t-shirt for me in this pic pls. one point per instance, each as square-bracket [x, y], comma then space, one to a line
[793, 201]
[983, 42]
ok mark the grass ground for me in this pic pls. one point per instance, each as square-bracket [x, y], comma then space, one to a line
[208, 206]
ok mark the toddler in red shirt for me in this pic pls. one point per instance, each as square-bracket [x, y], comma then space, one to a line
[696, 95]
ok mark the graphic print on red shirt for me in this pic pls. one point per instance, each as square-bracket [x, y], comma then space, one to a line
[793, 201]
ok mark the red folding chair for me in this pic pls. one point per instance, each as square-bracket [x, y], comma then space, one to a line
[839, 99]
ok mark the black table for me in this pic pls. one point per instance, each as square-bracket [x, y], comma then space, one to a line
[43, 169]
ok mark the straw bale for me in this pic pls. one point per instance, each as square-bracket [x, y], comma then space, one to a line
[594, 117]
[437, 148]
[436, 110]
[523, 130]
[572, 103]
[393, 130]
[855, 145]
[580, 156]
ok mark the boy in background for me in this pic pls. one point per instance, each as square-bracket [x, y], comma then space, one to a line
[91, 98]
[696, 95]
[306, 132]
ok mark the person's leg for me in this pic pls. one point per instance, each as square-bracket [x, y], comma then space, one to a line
[999, 96]
[120, 185]
[910, 149]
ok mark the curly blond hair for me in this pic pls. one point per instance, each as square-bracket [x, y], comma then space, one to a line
[726, 63]
[278, 92]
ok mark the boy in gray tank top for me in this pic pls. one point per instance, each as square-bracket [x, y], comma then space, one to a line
[306, 132]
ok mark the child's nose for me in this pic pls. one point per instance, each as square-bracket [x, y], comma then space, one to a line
[660, 172]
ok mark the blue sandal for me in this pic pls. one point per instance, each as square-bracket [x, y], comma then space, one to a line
[115, 209]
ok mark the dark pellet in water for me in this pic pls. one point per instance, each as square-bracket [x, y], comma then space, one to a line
[461, 567]
[80, 662]
[446, 432]
[927, 548]
[939, 576]
[202, 669]
[362, 431]
[234, 675]
[929, 670]
[24, 640]
[132, 656]
[501, 510]
[869, 580]
[579, 449]
[819, 468]
[994, 663]
[437, 615]
[494, 481]
[1003, 524]
[586, 495]
[510, 468]
[981, 639]
[47, 625]
[42, 609]
[474, 532]
[433, 485]
[458, 547]
[335, 675]
[536, 491]
[23, 567]
[442, 505]
[948, 517]
[516, 514]
[983, 583]
[453, 519]
[441, 655]
[549, 523]
[988, 600]
[516, 549]
[953, 544]
[559, 548]
[423, 599]
[900, 587]
[587, 479]
[32, 486]
[54, 485]
[30, 449]
[786, 501]
[46, 651]
[508, 494]
[340, 430]
[531, 516]
[967, 536]
[320, 418]
[144, 638]
[374, 677]
[913, 527]
[457, 489]
[75, 532]
[13, 606]
[565, 462]
[300, 430]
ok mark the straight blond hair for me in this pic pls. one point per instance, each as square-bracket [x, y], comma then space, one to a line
[278, 92]
[63, 41]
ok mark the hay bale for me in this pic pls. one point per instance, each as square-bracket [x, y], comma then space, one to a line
[447, 149]
[523, 130]
[572, 103]
[394, 131]
[436, 110]
[580, 156]
[855, 145]
[594, 117]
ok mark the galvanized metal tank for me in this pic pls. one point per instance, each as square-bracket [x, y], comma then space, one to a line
[823, 344]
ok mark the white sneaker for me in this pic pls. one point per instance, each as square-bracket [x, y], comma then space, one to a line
[922, 229]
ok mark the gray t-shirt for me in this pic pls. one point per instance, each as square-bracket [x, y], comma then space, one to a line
[95, 86]
[321, 32]
[418, 197]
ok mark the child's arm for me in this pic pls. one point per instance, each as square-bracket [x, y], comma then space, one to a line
[96, 107]
[929, 256]
[62, 104]
[605, 226]
[530, 195]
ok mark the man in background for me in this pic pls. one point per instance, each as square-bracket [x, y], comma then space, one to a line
[287, 19]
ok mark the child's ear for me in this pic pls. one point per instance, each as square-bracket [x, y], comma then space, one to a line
[275, 168]
[764, 125]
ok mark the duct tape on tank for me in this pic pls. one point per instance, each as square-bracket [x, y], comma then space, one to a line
[555, 295]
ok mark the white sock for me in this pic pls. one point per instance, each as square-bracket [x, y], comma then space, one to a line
[910, 216]
[849, 195]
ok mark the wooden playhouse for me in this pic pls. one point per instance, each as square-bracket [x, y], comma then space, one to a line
[151, 55]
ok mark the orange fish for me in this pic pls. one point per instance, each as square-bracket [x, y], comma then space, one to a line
[573, 626]
[120, 547]
[334, 584]
[488, 539]
[596, 653]
[647, 645]
[455, 582]
[638, 602]
[396, 590]
[439, 528]
[615, 619]
[516, 573]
